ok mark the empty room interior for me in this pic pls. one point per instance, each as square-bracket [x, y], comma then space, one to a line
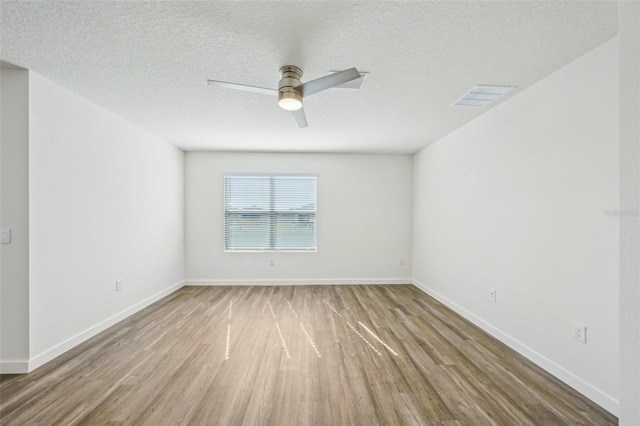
[320, 213]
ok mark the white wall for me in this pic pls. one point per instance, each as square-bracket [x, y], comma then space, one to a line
[106, 204]
[14, 290]
[364, 220]
[516, 200]
[629, 30]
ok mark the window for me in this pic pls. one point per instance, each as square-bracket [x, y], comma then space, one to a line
[275, 212]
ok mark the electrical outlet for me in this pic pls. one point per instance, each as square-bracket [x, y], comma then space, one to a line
[6, 236]
[492, 294]
[580, 332]
[272, 262]
[118, 285]
[401, 261]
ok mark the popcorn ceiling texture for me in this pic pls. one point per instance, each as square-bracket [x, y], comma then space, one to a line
[148, 62]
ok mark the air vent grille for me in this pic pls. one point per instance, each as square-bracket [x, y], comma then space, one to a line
[481, 96]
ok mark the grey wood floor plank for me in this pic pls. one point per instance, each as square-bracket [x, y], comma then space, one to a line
[294, 355]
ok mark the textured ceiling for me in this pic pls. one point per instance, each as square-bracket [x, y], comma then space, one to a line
[149, 61]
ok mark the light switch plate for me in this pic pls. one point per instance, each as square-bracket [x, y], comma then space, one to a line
[6, 235]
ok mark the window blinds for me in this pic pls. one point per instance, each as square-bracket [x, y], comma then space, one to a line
[275, 212]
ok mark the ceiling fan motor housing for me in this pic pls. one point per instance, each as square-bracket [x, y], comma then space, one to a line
[288, 97]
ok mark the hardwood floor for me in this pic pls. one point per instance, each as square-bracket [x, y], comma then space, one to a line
[305, 355]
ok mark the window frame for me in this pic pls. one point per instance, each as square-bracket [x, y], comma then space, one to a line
[271, 214]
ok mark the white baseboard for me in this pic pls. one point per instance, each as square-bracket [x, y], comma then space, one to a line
[14, 367]
[74, 341]
[596, 395]
[275, 282]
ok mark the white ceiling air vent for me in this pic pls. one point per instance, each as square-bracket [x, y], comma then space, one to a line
[481, 96]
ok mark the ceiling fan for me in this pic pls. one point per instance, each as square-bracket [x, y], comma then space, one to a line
[291, 90]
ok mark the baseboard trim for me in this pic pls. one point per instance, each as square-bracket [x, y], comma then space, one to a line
[588, 390]
[14, 367]
[74, 341]
[276, 282]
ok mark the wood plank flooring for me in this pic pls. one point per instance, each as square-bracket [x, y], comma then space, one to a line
[294, 355]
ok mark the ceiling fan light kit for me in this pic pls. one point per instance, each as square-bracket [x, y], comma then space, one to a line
[289, 97]
[291, 90]
[290, 101]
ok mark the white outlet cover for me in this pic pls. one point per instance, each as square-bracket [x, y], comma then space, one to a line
[492, 294]
[6, 235]
[580, 332]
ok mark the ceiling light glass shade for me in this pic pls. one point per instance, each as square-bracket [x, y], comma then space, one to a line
[291, 101]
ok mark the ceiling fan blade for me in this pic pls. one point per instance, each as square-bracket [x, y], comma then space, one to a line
[244, 87]
[328, 81]
[300, 117]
